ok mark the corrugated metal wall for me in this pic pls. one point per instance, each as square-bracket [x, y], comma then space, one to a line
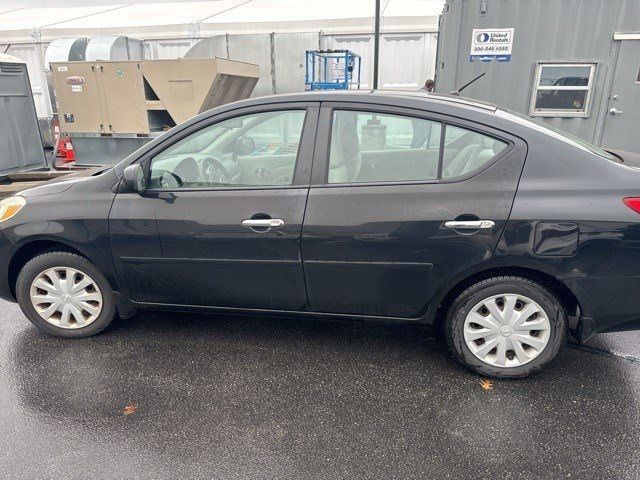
[33, 54]
[545, 31]
[254, 49]
[360, 44]
[168, 49]
[406, 59]
[288, 53]
[279, 55]
[209, 47]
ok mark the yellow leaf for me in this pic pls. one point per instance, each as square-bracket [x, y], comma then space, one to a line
[129, 409]
[486, 384]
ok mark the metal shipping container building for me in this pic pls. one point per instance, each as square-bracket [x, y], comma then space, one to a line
[571, 63]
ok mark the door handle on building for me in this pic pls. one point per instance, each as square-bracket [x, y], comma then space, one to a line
[470, 224]
[615, 111]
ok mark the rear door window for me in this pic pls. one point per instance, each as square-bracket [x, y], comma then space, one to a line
[369, 147]
[466, 151]
[372, 147]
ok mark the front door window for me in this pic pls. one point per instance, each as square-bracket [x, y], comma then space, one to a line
[252, 150]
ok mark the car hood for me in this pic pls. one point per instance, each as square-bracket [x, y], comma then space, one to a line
[60, 184]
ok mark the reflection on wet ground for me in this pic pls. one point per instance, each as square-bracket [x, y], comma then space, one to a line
[242, 397]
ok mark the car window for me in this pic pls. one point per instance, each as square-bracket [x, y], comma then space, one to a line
[251, 150]
[373, 147]
[466, 151]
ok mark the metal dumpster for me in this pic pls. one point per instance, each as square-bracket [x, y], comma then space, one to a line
[20, 142]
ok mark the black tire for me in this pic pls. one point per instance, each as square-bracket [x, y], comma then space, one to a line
[39, 264]
[454, 324]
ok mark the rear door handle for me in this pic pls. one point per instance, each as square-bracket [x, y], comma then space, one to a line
[470, 224]
[263, 222]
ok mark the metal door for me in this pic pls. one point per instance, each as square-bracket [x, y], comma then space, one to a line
[384, 249]
[623, 111]
[217, 247]
[123, 97]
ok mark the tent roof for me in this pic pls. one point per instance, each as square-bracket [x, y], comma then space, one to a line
[149, 14]
[4, 58]
[186, 19]
[328, 16]
[19, 24]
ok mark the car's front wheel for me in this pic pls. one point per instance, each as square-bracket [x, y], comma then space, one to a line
[65, 295]
[506, 327]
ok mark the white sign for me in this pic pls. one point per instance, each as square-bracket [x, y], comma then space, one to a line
[491, 43]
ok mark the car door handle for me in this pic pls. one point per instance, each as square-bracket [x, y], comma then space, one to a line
[263, 222]
[470, 224]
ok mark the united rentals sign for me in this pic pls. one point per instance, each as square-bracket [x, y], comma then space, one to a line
[488, 44]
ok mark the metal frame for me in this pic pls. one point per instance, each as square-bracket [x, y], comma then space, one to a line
[316, 61]
[547, 112]
[626, 35]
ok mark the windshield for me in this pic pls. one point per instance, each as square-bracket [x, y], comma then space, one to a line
[200, 140]
[560, 135]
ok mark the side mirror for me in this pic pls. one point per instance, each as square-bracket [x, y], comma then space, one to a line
[133, 178]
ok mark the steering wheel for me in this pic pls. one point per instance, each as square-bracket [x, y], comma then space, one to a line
[215, 173]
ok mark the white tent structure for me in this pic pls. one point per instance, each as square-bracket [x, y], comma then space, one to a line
[170, 30]
[20, 36]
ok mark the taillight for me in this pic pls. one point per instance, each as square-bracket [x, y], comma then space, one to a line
[633, 203]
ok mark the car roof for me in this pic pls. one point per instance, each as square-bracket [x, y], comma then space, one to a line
[374, 96]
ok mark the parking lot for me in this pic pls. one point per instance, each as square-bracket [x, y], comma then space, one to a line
[240, 397]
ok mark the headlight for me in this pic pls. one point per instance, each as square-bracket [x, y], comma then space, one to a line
[10, 206]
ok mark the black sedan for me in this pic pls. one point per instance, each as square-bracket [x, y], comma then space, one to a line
[390, 206]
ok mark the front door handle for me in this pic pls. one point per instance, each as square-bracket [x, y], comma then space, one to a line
[470, 224]
[263, 223]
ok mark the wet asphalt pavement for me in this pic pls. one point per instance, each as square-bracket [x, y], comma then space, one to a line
[244, 398]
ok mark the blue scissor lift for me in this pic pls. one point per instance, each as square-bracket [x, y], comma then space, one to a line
[332, 70]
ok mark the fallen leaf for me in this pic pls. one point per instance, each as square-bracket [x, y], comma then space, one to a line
[129, 409]
[486, 384]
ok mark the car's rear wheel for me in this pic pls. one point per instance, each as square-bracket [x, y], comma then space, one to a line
[506, 327]
[64, 294]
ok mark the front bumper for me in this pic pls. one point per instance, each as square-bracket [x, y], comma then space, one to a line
[7, 249]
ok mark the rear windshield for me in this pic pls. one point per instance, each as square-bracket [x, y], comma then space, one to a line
[560, 135]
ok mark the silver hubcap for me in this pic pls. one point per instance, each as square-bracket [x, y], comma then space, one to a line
[66, 297]
[507, 330]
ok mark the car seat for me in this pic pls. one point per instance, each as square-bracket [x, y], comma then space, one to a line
[457, 164]
[482, 156]
[345, 163]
